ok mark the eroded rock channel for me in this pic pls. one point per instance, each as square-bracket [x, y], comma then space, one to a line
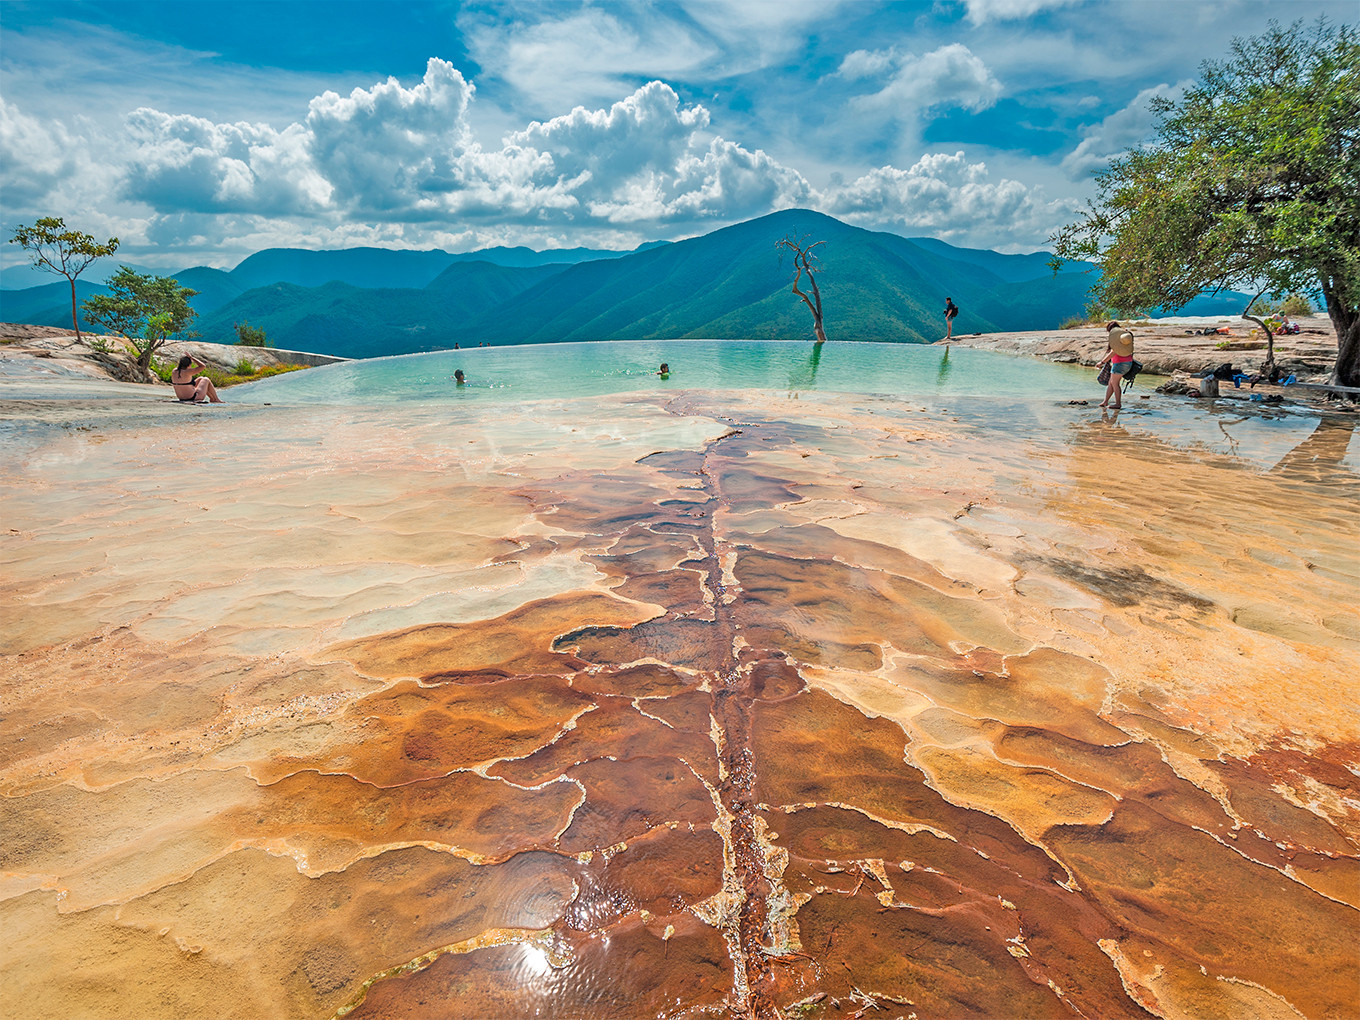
[707, 708]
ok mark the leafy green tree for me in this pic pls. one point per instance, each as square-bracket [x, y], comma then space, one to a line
[148, 311]
[54, 249]
[250, 336]
[1253, 182]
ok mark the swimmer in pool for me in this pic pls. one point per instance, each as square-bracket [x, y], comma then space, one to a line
[458, 379]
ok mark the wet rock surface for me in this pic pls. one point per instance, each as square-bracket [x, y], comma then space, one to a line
[724, 705]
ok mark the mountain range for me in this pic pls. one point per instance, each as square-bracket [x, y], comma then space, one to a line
[728, 284]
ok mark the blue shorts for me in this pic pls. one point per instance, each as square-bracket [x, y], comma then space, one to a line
[1120, 367]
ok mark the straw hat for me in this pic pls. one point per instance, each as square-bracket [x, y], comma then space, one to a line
[1121, 341]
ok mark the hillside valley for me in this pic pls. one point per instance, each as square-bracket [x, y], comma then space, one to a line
[728, 284]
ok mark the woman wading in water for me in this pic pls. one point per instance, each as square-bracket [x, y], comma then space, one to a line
[1120, 357]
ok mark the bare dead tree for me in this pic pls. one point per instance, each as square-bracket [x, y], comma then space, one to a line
[805, 261]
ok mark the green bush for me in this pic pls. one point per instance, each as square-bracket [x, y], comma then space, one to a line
[1075, 322]
[244, 367]
[1296, 304]
[162, 368]
[250, 336]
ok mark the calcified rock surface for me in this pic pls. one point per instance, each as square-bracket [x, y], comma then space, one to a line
[724, 705]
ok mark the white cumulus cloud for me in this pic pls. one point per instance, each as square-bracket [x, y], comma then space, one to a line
[981, 11]
[951, 77]
[407, 155]
[182, 163]
[648, 131]
[946, 196]
[390, 147]
[34, 155]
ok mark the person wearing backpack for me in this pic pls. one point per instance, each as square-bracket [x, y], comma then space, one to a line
[1120, 359]
[950, 310]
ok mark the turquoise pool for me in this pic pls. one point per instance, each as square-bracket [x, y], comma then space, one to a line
[595, 369]
[993, 390]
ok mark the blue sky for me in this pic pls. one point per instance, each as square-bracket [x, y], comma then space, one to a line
[198, 132]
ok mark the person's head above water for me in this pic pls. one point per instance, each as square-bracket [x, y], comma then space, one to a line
[458, 377]
[665, 369]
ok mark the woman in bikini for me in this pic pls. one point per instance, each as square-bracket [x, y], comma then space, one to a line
[191, 388]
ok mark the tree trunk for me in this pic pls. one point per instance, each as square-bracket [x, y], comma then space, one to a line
[1270, 341]
[1346, 321]
[817, 309]
[1347, 371]
[75, 320]
[145, 355]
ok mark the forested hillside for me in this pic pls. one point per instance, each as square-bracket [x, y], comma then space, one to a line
[729, 284]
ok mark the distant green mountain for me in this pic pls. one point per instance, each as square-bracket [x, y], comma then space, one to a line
[46, 305]
[728, 284]
[215, 287]
[388, 267]
[368, 322]
[1011, 268]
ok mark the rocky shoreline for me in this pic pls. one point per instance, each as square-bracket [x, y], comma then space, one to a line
[51, 350]
[1178, 347]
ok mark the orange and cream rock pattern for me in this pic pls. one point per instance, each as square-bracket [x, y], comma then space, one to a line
[724, 705]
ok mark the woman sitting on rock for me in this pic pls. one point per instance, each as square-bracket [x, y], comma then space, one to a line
[190, 388]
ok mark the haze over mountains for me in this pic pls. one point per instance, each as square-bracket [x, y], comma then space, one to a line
[729, 284]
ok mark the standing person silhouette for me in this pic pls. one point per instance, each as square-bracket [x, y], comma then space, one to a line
[950, 310]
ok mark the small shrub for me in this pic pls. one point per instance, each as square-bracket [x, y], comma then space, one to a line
[1261, 308]
[244, 367]
[221, 380]
[1075, 322]
[99, 344]
[1222, 345]
[218, 377]
[1296, 304]
[250, 336]
[162, 368]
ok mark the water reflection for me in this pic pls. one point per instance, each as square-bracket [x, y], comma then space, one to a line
[1322, 454]
[805, 376]
[942, 375]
